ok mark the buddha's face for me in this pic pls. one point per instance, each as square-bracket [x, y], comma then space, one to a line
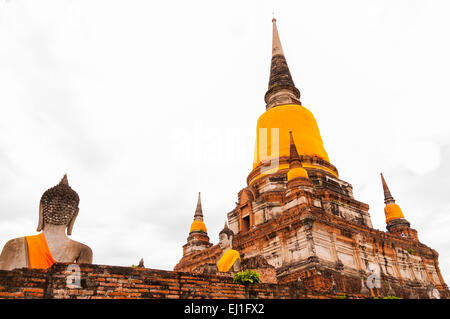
[224, 241]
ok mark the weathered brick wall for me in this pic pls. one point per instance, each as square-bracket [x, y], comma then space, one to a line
[101, 281]
[267, 272]
[23, 283]
[206, 256]
[322, 280]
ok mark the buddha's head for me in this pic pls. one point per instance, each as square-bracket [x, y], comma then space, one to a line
[226, 237]
[59, 206]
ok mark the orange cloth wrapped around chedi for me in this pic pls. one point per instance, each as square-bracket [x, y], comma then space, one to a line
[227, 260]
[393, 211]
[198, 225]
[285, 118]
[39, 255]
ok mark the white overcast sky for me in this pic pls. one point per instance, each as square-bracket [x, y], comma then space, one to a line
[145, 103]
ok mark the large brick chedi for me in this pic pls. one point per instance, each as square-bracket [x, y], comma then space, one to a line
[303, 220]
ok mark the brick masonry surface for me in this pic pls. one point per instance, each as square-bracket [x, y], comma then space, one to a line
[114, 282]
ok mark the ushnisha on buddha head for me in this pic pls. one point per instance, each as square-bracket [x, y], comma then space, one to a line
[59, 206]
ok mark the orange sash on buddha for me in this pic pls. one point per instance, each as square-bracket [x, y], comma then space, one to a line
[39, 255]
[227, 260]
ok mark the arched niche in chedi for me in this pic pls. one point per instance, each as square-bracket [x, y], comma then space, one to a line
[58, 210]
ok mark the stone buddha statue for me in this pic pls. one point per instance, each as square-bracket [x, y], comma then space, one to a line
[230, 258]
[58, 210]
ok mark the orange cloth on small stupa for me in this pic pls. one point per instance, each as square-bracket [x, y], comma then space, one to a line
[227, 260]
[39, 255]
[198, 225]
[393, 211]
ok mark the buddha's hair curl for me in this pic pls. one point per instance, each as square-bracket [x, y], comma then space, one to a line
[59, 203]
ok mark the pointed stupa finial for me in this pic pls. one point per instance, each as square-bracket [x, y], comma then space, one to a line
[388, 199]
[276, 43]
[64, 180]
[391, 210]
[198, 210]
[281, 89]
[198, 224]
[296, 168]
[293, 154]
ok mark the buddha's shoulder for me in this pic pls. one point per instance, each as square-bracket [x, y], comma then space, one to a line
[15, 243]
[13, 254]
[80, 246]
[84, 252]
[14, 247]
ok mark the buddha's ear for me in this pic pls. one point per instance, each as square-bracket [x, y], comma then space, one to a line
[41, 218]
[72, 221]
